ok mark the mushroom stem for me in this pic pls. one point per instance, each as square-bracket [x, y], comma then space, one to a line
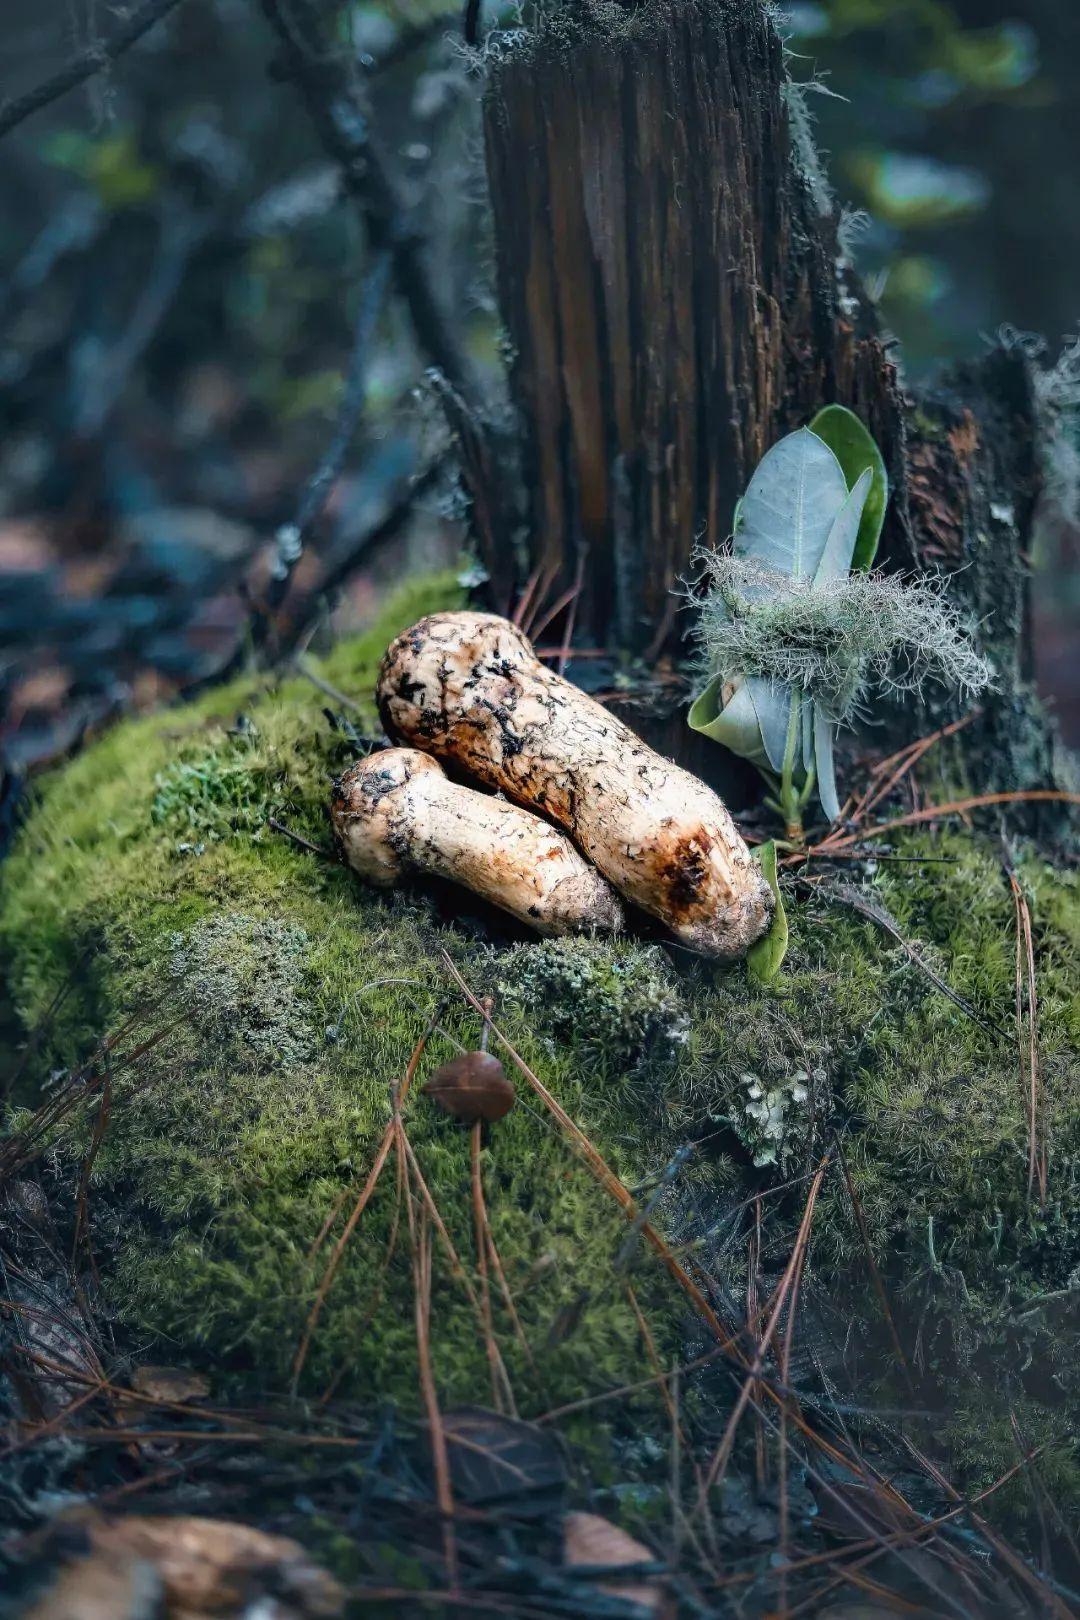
[397, 813]
[468, 687]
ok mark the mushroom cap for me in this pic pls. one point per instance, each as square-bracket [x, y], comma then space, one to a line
[368, 815]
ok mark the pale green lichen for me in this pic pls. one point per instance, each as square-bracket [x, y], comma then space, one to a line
[771, 1115]
[240, 978]
[834, 640]
[615, 1001]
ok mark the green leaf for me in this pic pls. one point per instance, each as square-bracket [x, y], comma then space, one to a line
[772, 705]
[825, 764]
[806, 725]
[734, 724]
[764, 959]
[855, 450]
[790, 505]
[839, 550]
[753, 722]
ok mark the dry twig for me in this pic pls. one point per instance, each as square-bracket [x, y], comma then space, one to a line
[95, 59]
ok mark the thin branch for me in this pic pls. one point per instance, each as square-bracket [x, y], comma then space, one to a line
[356, 552]
[480, 1223]
[599, 1167]
[292, 537]
[86, 65]
[938, 812]
[487, 458]
[334, 693]
[298, 838]
[843, 894]
[1027, 1021]
[381, 1156]
[420, 1244]
[180, 234]
[335, 100]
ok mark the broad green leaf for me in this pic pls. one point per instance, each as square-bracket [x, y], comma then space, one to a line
[753, 722]
[764, 959]
[856, 452]
[790, 505]
[840, 546]
[772, 705]
[825, 764]
[735, 724]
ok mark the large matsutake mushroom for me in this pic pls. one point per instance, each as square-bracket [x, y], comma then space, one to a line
[468, 687]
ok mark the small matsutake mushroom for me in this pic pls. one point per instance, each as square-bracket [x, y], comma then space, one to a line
[469, 688]
[397, 813]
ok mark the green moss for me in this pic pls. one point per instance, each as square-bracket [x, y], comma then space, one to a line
[619, 1004]
[221, 792]
[290, 999]
[241, 982]
[266, 1004]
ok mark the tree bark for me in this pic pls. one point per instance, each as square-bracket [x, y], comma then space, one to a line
[675, 299]
[670, 292]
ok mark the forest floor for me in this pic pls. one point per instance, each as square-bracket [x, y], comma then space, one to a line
[755, 1303]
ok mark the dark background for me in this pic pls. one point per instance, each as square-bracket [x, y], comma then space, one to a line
[180, 279]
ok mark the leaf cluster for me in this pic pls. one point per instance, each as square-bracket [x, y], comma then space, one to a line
[794, 633]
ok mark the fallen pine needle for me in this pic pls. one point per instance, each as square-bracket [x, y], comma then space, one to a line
[601, 1169]
[381, 1156]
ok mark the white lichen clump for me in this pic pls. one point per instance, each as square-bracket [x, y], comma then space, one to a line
[836, 639]
[767, 1109]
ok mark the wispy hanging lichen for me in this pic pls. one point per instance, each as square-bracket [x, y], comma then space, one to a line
[1057, 392]
[833, 639]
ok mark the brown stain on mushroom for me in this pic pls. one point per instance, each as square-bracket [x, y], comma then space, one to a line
[685, 871]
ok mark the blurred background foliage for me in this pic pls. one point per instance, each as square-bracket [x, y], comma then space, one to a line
[951, 129]
[180, 279]
[955, 125]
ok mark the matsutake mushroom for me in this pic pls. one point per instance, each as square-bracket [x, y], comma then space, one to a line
[469, 688]
[397, 813]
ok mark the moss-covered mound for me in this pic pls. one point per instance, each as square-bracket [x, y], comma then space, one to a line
[264, 1005]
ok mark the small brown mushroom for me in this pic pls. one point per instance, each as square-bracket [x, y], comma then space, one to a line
[397, 813]
[468, 687]
[472, 1086]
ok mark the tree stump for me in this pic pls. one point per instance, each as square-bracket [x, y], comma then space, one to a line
[675, 297]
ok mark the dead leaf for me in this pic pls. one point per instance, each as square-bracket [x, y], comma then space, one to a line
[590, 1541]
[501, 1459]
[167, 1385]
[170, 1384]
[200, 1567]
[101, 1588]
[863, 1611]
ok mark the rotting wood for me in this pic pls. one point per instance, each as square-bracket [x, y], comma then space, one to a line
[668, 291]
